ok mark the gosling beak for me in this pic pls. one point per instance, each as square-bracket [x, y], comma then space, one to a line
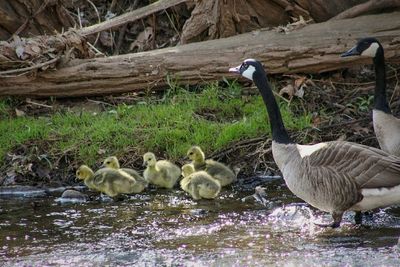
[352, 52]
[103, 165]
[235, 69]
[144, 164]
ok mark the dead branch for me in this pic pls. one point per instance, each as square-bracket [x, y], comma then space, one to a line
[130, 16]
[364, 8]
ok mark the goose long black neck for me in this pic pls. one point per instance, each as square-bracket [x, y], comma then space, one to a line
[279, 133]
[380, 101]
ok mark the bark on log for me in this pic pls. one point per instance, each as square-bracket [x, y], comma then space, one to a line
[312, 49]
[214, 19]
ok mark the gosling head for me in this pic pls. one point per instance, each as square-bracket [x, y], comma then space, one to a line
[195, 154]
[149, 159]
[249, 68]
[187, 170]
[369, 47]
[111, 162]
[84, 172]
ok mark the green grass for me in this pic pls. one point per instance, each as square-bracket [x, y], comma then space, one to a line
[169, 126]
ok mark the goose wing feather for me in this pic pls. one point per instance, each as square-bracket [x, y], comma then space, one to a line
[368, 166]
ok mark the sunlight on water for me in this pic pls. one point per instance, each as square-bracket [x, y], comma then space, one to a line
[167, 228]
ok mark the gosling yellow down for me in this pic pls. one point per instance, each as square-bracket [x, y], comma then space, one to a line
[161, 173]
[214, 168]
[199, 184]
[113, 163]
[109, 181]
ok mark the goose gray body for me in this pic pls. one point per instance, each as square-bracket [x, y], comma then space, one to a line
[338, 176]
[387, 131]
[331, 176]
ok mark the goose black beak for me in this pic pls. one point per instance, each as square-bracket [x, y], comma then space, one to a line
[103, 165]
[351, 52]
[235, 69]
[144, 164]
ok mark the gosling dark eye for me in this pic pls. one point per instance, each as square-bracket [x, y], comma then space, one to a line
[108, 162]
[191, 153]
[78, 173]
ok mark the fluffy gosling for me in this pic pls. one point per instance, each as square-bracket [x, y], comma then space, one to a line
[199, 184]
[161, 173]
[109, 181]
[214, 168]
[113, 163]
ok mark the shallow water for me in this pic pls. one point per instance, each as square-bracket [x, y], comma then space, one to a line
[166, 228]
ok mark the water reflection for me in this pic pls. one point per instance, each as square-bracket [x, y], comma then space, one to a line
[167, 228]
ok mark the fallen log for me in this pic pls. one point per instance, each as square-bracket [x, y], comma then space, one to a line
[312, 49]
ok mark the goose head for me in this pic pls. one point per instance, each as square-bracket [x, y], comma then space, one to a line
[111, 162]
[187, 170]
[149, 159]
[84, 172]
[368, 47]
[195, 154]
[248, 68]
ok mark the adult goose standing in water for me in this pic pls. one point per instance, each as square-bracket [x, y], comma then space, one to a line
[332, 176]
[386, 126]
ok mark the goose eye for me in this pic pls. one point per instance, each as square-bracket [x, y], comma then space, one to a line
[108, 162]
[191, 153]
[78, 172]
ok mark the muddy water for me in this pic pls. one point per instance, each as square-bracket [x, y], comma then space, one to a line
[166, 228]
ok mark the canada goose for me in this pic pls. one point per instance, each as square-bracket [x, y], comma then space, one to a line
[113, 163]
[214, 168]
[109, 181]
[386, 126]
[199, 184]
[161, 173]
[332, 176]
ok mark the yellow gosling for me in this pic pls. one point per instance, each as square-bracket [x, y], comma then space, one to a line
[214, 168]
[109, 181]
[113, 163]
[199, 184]
[161, 173]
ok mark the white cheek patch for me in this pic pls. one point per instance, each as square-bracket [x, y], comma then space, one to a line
[248, 73]
[307, 150]
[371, 50]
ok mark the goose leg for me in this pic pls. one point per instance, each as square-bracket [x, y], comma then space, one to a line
[358, 217]
[337, 219]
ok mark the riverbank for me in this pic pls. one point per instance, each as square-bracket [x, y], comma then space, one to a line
[42, 142]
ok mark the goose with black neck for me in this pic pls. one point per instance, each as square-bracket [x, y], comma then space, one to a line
[332, 176]
[386, 126]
